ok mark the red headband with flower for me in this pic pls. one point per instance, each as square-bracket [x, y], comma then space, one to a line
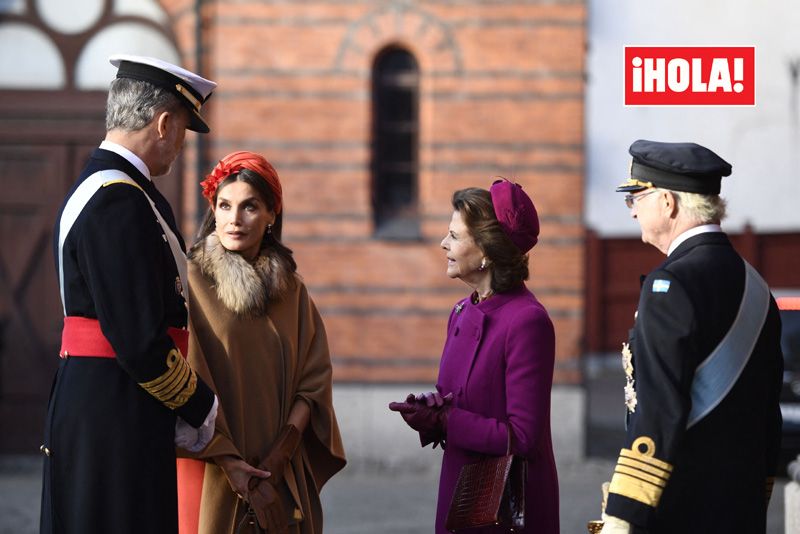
[235, 162]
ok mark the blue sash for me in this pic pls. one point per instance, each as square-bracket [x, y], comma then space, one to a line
[718, 373]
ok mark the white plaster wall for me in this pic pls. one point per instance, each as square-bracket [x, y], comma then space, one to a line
[70, 17]
[29, 59]
[12, 6]
[93, 70]
[377, 440]
[762, 142]
[141, 8]
[39, 67]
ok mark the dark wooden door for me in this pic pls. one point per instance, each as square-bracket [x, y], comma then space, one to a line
[34, 181]
[45, 139]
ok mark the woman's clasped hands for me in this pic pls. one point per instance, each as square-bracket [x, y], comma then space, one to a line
[427, 414]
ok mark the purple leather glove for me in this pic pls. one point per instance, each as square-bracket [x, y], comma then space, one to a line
[432, 399]
[427, 414]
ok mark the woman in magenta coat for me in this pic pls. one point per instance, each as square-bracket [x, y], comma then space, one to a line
[497, 364]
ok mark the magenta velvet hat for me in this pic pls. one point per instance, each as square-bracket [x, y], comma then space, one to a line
[516, 213]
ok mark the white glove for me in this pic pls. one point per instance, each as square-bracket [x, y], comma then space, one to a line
[195, 439]
[615, 525]
[185, 434]
[206, 430]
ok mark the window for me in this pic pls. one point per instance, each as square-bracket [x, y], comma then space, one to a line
[395, 144]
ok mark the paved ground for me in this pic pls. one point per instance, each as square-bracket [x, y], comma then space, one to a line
[360, 502]
[406, 504]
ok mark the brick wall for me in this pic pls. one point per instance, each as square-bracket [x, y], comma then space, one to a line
[501, 92]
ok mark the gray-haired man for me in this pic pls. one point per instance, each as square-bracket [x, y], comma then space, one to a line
[124, 395]
[703, 362]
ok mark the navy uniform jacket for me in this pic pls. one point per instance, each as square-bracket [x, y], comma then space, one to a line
[109, 432]
[715, 476]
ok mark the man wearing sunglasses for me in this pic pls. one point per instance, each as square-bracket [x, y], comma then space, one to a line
[703, 362]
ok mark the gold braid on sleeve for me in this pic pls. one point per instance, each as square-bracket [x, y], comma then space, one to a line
[176, 385]
[639, 475]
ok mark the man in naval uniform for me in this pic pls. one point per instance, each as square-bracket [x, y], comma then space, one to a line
[124, 395]
[703, 362]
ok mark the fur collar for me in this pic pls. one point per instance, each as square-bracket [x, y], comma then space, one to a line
[244, 288]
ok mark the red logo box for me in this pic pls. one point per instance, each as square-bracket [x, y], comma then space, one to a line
[690, 76]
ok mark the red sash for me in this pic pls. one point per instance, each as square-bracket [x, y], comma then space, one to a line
[83, 337]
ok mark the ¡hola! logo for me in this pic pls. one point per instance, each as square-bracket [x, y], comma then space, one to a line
[690, 76]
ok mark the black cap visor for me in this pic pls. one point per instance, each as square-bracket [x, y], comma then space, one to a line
[196, 122]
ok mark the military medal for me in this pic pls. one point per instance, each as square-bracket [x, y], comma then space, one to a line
[627, 366]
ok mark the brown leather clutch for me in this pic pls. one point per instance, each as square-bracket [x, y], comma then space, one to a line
[490, 492]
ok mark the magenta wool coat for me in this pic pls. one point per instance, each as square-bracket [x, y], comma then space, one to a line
[498, 363]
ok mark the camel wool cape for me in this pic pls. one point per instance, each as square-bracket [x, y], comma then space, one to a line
[259, 342]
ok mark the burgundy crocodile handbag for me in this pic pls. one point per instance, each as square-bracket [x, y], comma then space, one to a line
[490, 492]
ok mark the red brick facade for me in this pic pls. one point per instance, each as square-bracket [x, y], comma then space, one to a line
[501, 92]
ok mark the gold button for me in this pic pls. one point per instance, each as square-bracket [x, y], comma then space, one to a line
[45, 450]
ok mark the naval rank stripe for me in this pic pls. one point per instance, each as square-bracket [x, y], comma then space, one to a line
[165, 386]
[655, 462]
[176, 385]
[641, 466]
[655, 480]
[635, 488]
[638, 475]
